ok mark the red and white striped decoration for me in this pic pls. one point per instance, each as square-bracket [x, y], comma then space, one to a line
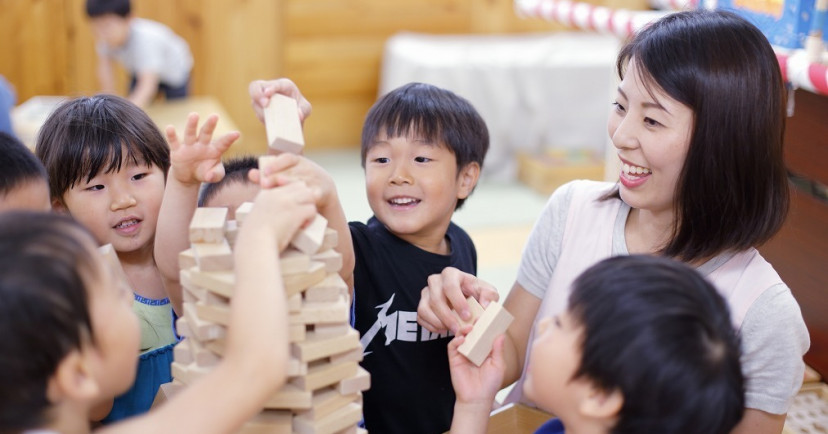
[795, 65]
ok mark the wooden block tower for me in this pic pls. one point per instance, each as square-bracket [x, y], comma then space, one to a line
[323, 393]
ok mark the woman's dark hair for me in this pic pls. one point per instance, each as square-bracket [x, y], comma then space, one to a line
[44, 311]
[732, 192]
[658, 332]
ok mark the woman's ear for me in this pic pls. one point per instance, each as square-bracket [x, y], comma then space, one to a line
[73, 380]
[602, 404]
[467, 179]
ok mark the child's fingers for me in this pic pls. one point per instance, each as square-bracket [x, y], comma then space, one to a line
[224, 142]
[205, 135]
[496, 357]
[172, 137]
[190, 128]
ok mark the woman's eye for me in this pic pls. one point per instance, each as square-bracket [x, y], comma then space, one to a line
[651, 122]
[618, 107]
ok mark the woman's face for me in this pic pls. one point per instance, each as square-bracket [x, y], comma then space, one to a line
[651, 132]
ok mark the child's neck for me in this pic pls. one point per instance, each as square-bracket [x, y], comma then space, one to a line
[69, 417]
[438, 245]
[142, 273]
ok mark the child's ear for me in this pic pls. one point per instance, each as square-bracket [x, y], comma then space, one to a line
[467, 179]
[73, 380]
[602, 404]
[58, 206]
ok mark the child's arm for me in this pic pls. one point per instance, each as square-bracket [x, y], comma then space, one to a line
[474, 386]
[289, 167]
[196, 158]
[262, 90]
[146, 86]
[255, 363]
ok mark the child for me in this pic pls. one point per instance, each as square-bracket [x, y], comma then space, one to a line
[156, 58]
[23, 180]
[422, 151]
[73, 338]
[197, 159]
[645, 346]
[107, 164]
[698, 124]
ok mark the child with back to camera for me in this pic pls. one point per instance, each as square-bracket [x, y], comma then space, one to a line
[23, 180]
[82, 349]
[698, 125]
[644, 346]
[422, 151]
[107, 164]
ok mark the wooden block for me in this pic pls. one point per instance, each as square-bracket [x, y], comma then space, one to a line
[242, 211]
[292, 261]
[290, 397]
[165, 392]
[231, 231]
[294, 303]
[340, 419]
[213, 256]
[331, 258]
[213, 313]
[186, 259]
[474, 308]
[350, 356]
[207, 225]
[269, 422]
[316, 347]
[220, 282]
[494, 321]
[323, 313]
[189, 373]
[331, 330]
[325, 402]
[329, 289]
[182, 353]
[325, 374]
[201, 329]
[182, 327]
[309, 239]
[284, 129]
[296, 283]
[358, 383]
[201, 356]
[192, 293]
[330, 240]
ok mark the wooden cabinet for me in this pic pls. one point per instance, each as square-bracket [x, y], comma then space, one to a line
[799, 252]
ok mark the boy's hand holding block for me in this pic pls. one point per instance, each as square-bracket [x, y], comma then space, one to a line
[492, 322]
[284, 130]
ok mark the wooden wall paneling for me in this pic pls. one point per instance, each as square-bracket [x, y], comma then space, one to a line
[336, 122]
[82, 62]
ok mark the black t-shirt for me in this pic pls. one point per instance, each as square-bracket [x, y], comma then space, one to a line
[410, 381]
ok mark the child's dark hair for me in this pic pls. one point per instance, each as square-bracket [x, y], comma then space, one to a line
[96, 8]
[87, 135]
[436, 114]
[235, 170]
[44, 315]
[658, 332]
[18, 165]
[732, 192]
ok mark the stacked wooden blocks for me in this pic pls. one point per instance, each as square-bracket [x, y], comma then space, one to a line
[323, 394]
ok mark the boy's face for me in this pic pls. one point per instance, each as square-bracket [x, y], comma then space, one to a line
[31, 195]
[232, 195]
[413, 186]
[556, 355]
[121, 207]
[111, 29]
[115, 328]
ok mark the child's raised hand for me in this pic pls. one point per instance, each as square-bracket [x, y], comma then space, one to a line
[262, 90]
[447, 291]
[473, 385]
[197, 157]
[283, 209]
[285, 168]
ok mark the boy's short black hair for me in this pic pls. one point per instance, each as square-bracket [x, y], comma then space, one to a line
[18, 165]
[96, 8]
[235, 170]
[437, 114]
[44, 259]
[657, 331]
[87, 135]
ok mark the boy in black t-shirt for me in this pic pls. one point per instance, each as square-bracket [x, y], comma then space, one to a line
[422, 151]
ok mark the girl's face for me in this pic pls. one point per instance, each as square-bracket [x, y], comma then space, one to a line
[121, 207]
[652, 134]
[117, 334]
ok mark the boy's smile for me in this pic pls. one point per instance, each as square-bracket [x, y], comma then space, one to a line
[413, 187]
